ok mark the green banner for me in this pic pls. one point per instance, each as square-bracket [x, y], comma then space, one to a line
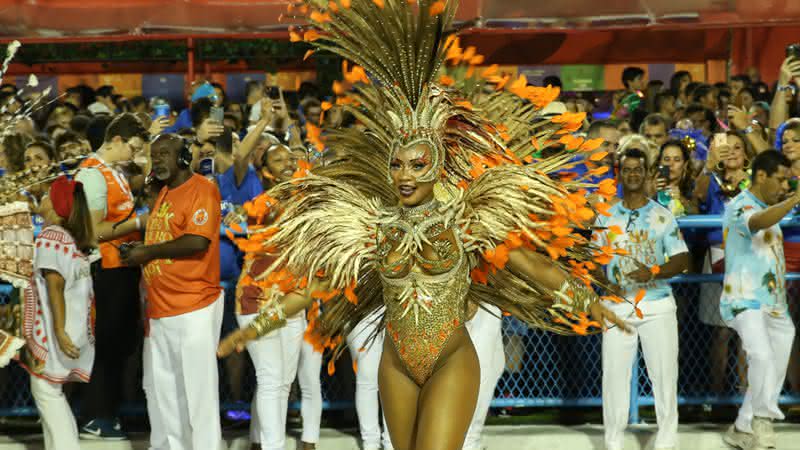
[583, 77]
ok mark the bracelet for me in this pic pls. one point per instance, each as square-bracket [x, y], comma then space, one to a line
[785, 88]
[269, 319]
[575, 295]
[748, 130]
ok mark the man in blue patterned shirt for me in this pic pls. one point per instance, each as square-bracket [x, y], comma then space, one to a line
[753, 298]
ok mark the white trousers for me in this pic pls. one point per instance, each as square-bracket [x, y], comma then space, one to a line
[275, 359]
[658, 333]
[367, 358]
[485, 330]
[767, 342]
[185, 379]
[308, 373]
[158, 438]
[58, 424]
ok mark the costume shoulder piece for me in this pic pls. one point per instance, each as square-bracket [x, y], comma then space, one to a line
[322, 228]
[318, 228]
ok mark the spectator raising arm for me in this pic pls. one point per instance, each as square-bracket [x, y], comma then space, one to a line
[740, 120]
[242, 153]
[779, 111]
[270, 111]
[772, 215]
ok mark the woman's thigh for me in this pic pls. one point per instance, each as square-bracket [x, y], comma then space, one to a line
[447, 400]
[399, 394]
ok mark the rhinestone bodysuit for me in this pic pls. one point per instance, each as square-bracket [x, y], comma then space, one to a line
[425, 275]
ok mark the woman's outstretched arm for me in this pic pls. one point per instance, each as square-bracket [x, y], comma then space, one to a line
[540, 269]
[270, 318]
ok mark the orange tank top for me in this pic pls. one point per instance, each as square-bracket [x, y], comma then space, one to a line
[119, 204]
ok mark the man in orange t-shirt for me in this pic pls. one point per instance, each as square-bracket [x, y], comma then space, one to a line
[180, 256]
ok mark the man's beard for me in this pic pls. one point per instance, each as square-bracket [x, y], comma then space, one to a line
[161, 173]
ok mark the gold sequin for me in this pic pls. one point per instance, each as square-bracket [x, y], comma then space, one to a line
[427, 303]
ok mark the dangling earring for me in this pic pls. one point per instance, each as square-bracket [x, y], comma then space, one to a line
[746, 165]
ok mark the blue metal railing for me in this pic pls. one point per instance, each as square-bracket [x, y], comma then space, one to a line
[555, 371]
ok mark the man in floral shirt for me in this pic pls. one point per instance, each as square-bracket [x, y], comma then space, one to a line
[754, 295]
[655, 252]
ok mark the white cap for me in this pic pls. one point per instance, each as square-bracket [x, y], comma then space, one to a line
[554, 109]
[98, 108]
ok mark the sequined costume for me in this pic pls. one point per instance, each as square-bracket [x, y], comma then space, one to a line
[496, 189]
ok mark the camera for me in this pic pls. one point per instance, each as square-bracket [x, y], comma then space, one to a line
[663, 172]
[793, 51]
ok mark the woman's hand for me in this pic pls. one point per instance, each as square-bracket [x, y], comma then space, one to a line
[675, 192]
[236, 341]
[66, 345]
[790, 69]
[738, 117]
[718, 153]
[603, 315]
[159, 124]
[209, 129]
[661, 183]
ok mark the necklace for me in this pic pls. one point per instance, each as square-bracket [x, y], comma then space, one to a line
[418, 213]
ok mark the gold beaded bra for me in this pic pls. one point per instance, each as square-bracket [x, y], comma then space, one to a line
[425, 277]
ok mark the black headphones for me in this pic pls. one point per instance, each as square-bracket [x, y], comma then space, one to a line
[185, 154]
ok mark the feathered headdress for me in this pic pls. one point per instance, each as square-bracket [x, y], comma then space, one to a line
[487, 138]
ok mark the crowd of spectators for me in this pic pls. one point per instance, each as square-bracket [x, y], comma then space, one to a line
[699, 140]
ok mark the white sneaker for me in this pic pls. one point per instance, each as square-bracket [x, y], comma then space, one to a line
[738, 439]
[764, 433]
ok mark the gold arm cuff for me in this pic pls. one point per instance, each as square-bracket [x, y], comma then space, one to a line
[269, 319]
[575, 295]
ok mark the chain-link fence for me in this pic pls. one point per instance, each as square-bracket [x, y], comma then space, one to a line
[542, 369]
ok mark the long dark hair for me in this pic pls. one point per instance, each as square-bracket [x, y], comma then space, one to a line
[79, 223]
[686, 183]
[675, 81]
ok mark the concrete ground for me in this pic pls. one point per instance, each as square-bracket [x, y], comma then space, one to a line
[503, 437]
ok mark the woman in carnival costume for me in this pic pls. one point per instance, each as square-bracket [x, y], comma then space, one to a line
[433, 207]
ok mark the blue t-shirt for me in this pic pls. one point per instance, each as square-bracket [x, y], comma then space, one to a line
[755, 268]
[650, 235]
[184, 120]
[233, 195]
[715, 204]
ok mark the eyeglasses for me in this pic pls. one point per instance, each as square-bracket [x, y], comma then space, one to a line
[633, 170]
[634, 215]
